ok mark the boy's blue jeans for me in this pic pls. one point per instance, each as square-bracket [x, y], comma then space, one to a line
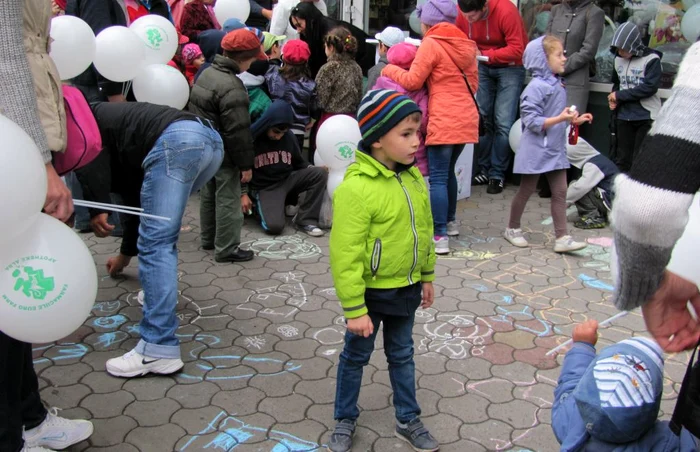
[184, 158]
[398, 347]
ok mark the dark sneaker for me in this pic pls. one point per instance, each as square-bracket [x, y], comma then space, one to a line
[310, 229]
[590, 223]
[341, 438]
[238, 255]
[207, 247]
[480, 179]
[415, 434]
[495, 186]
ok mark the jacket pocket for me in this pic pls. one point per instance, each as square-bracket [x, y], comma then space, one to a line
[376, 257]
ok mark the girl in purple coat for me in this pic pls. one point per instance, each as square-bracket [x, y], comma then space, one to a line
[402, 55]
[542, 150]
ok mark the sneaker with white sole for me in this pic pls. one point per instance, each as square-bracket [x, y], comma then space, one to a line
[56, 432]
[452, 229]
[515, 237]
[134, 364]
[310, 229]
[442, 245]
[36, 449]
[567, 244]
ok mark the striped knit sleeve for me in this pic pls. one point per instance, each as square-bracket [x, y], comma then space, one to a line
[651, 203]
[17, 96]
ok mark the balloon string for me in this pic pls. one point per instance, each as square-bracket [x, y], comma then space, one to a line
[126, 87]
[601, 324]
[78, 202]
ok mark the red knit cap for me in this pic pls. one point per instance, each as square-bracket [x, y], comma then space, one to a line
[296, 51]
[240, 40]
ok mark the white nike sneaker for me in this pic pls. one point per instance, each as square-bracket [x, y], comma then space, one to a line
[133, 364]
[36, 449]
[56, 432]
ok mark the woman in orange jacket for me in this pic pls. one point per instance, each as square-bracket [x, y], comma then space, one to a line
[444, 56]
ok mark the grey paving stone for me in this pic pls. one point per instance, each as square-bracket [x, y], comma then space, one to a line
[154, 413]
[469, 408]
[196, 420]
[65, 396]
[193, 396]
[111, 432]
[148, 389]
[320, 391]
[162, 438]
[517, 413]
[374, 396]
[242, 402]
[311, 369]
[65, 375]
[107, 405]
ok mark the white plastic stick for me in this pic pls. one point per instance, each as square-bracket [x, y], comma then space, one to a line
[116, 209]
[102, 204]
[603, 323]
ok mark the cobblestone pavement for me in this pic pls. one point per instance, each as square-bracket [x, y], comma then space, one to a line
[261, 341]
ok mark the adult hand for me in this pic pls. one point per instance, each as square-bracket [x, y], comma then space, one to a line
[59, 201]
[586, 332]
[117, 98]
[362, 326]
[246, 176]
[612, 97]
[667, 316]
[100, 226]
[428, 295]
[586, 117]
[116, 264]
[246, 204]
[567, 115]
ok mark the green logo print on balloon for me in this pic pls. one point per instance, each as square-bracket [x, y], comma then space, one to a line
[345, 151]
[33, 283]
[154, 37]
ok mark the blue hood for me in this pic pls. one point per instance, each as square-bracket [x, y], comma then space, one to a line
[535, 61]
[210, 43]
[278, 113]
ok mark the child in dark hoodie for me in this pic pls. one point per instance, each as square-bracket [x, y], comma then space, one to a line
[634, 95]
[610, 401]
[278, 170]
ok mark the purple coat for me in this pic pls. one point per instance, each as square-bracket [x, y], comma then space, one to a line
[541, 150]
[420, 97]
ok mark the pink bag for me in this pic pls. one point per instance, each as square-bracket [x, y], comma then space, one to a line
[84, 140]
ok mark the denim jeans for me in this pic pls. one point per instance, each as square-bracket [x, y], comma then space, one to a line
[443, 184]
[398, 347]
[184, 158]
[499, 98]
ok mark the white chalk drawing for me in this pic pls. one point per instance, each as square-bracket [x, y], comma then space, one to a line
[279, 300]
[257, 342]
[284, 247]
[288, 330]
[456, 336]
[331, 335]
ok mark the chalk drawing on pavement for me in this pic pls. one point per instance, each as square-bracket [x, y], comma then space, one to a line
[279, 300]
[284, 247]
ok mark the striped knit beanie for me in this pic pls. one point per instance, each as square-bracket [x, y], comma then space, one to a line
[627, 37]
[619, 394]
[380, 111]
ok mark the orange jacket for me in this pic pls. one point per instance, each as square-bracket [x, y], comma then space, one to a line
[453, 116]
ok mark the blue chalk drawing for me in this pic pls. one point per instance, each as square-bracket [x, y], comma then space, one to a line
[107, 307]
[64, 351]
[111, 322]
[595, 283]
[506, 316]
[233, 433]
[134, 329]
[105, 340]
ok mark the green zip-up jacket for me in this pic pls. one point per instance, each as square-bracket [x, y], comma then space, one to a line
[382, 236]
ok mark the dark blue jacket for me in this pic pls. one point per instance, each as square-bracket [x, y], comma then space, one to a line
[300, 94]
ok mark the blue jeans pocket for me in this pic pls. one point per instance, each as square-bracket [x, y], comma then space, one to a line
[183, 162]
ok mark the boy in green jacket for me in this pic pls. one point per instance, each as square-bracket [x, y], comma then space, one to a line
[382, 258]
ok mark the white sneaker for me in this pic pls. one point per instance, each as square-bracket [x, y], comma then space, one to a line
[134, 364]
[56, 432]
[452, 229]
[36, 449]
[442, 245]
[567, 243]
[515, 237]
[290, 211]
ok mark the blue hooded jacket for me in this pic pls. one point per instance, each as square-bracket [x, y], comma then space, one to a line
[209, 42]
[582, 417]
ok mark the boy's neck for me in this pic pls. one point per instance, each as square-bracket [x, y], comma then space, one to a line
[380, 156]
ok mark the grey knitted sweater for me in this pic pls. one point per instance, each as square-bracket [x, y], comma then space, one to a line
[652, 202]
[17, 96]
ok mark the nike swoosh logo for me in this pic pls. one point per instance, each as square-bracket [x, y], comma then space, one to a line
[55, 437]
[143, 361]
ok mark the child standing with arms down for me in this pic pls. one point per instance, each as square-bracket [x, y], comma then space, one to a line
[545, 117]
[381, 211]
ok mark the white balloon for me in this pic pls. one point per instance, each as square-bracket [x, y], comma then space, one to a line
[73, 46]
[514, 136]
[231, 9]
[48, 282]
[318, 161]
[159, 36]
[162, 85]
[687, 4]
[684, 260]
[120, 54]
[22, 180]
[690, 24]
[337, 141]
[335, 177]
[414, 23]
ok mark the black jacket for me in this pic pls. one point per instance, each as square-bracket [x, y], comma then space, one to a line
[320, 28]
[220, 96]
[129, 131]
[101, 14]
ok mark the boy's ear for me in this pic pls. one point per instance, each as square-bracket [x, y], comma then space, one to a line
[376, 144]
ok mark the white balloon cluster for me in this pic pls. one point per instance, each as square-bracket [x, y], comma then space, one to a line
[336, 142]
[48, 280]
[139, 53]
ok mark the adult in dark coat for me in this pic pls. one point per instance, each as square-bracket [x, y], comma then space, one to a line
[313, 26]
[579, 24]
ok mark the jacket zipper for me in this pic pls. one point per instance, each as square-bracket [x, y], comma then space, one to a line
[376, 257]
[413, 229]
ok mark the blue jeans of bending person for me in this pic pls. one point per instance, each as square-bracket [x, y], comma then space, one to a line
[499, 99]
[398, 347]
[184, 158]
[443, 184]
